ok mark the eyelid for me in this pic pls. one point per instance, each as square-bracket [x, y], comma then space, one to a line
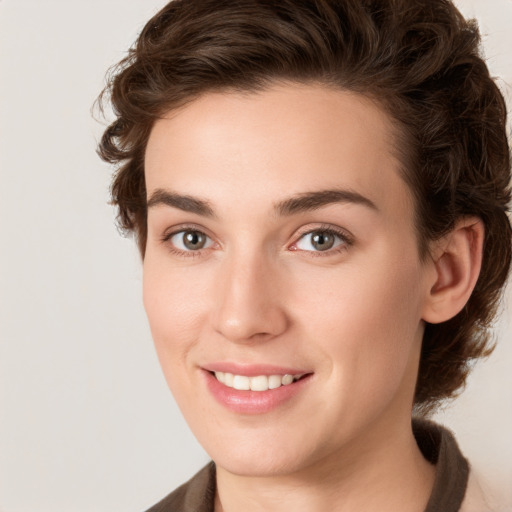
[346, 237]
[180, 228]
[172, 230]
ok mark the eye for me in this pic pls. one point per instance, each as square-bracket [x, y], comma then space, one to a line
[189, 240]
[321, 240]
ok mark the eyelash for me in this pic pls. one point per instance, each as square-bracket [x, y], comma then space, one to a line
[342, 235]
[183, 229]
[346, 239]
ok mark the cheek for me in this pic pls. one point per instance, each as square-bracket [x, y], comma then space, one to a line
[175, 304]
[366, 323]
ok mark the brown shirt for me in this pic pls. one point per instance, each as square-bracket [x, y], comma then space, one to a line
[436, 443]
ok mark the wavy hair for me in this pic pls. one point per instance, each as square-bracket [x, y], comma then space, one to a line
[419, 59]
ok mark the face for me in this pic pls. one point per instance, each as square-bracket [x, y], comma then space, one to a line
[282, 279]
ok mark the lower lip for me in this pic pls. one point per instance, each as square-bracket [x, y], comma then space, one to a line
[253, 402]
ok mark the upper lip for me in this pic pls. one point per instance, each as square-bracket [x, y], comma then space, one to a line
[252, 370]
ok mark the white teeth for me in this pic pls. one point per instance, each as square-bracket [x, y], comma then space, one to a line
[274, 381]
[241, 382]
[228, 379]
[258, 383]
[287, 379]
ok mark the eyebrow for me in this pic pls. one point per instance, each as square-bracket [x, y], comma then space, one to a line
[309, 201]
[300, 203]
[182, 202]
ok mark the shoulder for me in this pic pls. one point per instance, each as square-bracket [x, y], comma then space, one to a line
[480, 497]
[458, 485]
[474, 500]
[196, 495]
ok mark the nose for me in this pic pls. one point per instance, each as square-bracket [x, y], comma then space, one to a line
[249, 304]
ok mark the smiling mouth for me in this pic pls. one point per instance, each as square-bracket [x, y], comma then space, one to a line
[256, 383]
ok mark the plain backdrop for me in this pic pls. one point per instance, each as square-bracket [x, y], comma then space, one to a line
[86, 420]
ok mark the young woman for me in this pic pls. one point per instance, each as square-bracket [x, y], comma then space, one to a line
[319, 191]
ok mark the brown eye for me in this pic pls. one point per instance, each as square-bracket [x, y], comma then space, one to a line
[190, 240]
[193, 240]
[321, 241]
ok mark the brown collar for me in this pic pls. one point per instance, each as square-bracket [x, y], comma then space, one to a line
[452, 470]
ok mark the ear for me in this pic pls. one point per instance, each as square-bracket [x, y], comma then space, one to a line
[456, 260]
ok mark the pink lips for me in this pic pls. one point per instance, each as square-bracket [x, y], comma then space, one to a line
[253, 402]
[252, 370]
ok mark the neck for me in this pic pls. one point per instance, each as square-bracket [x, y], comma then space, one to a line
[372, 474]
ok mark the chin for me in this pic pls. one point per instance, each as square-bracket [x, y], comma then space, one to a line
[259, 464]
[265, 453]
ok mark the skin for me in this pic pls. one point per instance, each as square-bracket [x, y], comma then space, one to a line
[260, 292]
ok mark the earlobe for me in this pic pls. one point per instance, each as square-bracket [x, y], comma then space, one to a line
[457, 260]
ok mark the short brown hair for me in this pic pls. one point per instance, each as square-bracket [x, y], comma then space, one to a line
[419, 59]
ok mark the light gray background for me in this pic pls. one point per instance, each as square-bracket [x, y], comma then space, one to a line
[86, 420]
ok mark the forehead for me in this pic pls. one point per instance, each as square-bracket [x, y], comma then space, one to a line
[259, 148]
